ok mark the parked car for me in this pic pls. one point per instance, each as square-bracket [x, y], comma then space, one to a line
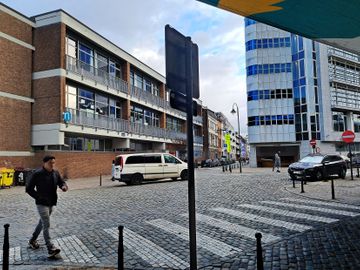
[347, 160]
[355, 160]
[318, 167]
[206, 163]
[134, 168]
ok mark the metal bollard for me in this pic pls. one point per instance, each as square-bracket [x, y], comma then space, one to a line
[259, 258]
[6, 247]
[121, 249]
[332, 189]
[230, 168]
[223, 168]
[302, 185]
[357, 172]
[100, 180]
[294, 183]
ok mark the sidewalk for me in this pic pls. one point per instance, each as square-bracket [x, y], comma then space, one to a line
[346, 190]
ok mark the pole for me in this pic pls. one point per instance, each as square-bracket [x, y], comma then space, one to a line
[237, 110]
[351, 167]
[6, 247]
[259, 258]
[190, 152]
[121, 249]
[332, 189]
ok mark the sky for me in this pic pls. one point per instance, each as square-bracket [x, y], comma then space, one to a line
[137, 26]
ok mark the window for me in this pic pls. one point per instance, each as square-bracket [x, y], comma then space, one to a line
[135, 160]
[101, 105]
[152, 159]
[170, 159]
[86, 100]
[70, 101]
[86, 55]
[356, 122]
[71, 47]
[339, 121]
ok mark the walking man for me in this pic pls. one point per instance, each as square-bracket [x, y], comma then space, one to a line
[42, 187]
[277, 162]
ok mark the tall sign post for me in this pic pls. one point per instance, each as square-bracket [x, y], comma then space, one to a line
[348, 136]
[182, 78]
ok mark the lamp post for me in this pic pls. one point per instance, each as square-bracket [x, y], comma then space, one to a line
[237, 111]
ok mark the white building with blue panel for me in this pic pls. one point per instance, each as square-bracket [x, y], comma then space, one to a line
[298, 90]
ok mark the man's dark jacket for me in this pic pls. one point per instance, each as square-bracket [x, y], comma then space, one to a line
[42, 186]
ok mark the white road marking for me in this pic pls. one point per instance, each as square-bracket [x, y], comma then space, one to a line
[203, 241]
[235, 228]
[313, 208]
[14, 254]
[335, 204]
[153, 254]
[265, 220]
[289, 213]
[73, 250]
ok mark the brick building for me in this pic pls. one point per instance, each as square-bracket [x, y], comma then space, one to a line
[53, 64]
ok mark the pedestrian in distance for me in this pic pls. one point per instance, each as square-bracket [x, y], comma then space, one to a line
[277, 162]
[42, 186]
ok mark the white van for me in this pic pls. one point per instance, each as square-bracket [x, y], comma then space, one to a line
[134, 168]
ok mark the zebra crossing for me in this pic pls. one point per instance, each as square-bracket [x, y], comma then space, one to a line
[157, 254]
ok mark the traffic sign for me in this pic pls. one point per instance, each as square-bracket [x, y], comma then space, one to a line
[312, 142]
[348, 136]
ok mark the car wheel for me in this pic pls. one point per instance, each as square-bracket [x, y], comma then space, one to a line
[184, 175]
[319, 175]
[342, 173]
[136, 179]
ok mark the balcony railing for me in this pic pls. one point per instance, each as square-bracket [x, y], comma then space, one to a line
[102, 77]
[94, 120]
[344, 54]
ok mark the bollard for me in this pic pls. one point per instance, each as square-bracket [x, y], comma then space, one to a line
[6, 247]
[357, 172]
[332, 189]
[302, 185]
[259, 258]
[293, 182]
[100, 180]
[223, 168]
[121, 249]
[230, 168]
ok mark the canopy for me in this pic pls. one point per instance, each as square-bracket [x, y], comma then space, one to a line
[333, 22]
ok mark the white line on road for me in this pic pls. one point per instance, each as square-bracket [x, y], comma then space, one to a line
[313, 208]
[269, 221]
[73, 250]
[335, 204]
[14, 254]
[235, 228]
[289, 213]
[205, 242]
[153, 254]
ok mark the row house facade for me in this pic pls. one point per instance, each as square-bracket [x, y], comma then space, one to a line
[68, 91]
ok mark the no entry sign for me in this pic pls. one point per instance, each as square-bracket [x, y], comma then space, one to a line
[348, 136]
[312, 142]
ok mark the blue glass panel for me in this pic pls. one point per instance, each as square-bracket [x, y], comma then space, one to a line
[282, 67]
[270, 41]
[266, 68]
[302, 68]
[302, 81]
[276, 42]
[301, 55]
[258, 43]
[287, 42]
[294, 57]
[256, 94]
[301, 44]
[257, 122]
[277, 68]
[288, 67]
[265, 43]
[282, 42]
[267, 94]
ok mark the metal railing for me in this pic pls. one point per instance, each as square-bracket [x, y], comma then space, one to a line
[344, 54]
[100, 76]
[94, 120]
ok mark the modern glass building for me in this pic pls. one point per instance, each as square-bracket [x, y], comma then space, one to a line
[298, 90]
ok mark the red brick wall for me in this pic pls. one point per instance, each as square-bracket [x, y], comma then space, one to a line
[71, 164]
[16, 28]
[50, 47]
[49, 99]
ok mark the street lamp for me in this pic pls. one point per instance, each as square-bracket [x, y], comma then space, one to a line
[237, 111]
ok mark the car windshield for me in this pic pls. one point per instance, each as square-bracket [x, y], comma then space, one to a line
[312, 159]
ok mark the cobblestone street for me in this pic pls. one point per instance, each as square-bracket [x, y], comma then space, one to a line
[300, 230]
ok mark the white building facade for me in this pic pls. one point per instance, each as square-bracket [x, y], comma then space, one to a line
[298, 90]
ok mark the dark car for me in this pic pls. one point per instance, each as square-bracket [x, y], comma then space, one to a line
[318, 167]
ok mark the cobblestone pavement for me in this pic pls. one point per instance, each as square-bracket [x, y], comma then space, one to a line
[300, 230]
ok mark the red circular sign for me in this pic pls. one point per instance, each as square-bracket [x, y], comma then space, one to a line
[348, 136]
[312, 142]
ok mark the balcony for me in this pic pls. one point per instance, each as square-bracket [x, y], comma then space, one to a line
[344, 55]
[100, 76]
[93, 120]
[144, 96]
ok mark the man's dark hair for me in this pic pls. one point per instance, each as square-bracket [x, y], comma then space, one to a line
[47, 158]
